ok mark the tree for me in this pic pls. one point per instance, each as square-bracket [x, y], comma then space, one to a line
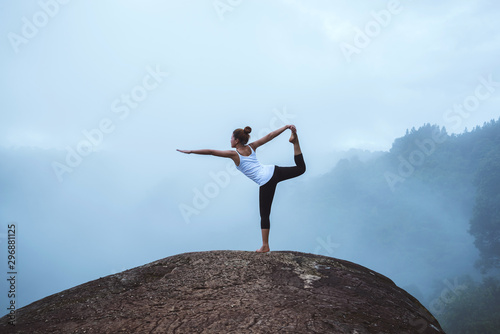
[473, 310]
[485, 221]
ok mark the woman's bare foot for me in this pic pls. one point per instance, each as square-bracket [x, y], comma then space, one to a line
[263, 249]
[293, 137]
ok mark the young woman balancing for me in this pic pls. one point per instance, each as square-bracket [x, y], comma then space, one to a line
[266, 176]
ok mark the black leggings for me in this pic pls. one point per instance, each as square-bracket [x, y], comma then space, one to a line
[266, 191]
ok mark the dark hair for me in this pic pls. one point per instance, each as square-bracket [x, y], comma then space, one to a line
[243, 135]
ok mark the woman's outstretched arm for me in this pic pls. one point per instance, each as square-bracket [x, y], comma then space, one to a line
[271, 135]
[225, 154]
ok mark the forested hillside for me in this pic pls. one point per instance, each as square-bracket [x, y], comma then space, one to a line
[430, 205]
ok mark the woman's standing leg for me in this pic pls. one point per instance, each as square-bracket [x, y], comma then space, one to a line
[266, 195]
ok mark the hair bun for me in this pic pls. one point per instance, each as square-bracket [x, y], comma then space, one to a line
[247, 129]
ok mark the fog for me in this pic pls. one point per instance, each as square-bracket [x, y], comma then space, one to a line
[97, 97]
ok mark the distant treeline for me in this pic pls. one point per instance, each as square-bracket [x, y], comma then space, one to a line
[413, 202]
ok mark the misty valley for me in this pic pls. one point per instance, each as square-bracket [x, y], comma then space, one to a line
[425, 214]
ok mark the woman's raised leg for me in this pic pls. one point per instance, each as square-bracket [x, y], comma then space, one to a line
[294, 139]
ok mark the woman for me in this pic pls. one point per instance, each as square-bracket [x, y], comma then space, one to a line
[266, 176]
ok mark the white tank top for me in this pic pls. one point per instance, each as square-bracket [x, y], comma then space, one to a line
[252, 168]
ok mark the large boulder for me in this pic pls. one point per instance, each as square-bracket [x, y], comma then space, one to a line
[231, 292]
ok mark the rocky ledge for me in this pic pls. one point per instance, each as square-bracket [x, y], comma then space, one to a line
[231, 292]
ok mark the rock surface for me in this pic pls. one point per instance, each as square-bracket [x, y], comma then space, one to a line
[231, 292]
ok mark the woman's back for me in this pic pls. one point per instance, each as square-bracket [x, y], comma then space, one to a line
[253, 169]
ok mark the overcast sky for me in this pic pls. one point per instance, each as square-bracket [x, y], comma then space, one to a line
[139, 79]
[353, 75]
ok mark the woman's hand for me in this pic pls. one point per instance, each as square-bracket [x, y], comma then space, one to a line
[292, 127]
[185, 151]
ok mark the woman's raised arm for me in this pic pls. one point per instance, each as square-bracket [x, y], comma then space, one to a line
[271, 135]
